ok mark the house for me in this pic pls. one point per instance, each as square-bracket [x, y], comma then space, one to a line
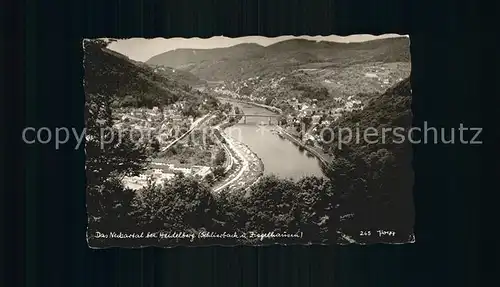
[177, 118]
[316, 119]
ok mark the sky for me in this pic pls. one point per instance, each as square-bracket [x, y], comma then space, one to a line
[141, 49]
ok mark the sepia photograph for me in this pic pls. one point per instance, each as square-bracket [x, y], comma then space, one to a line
[292, 140]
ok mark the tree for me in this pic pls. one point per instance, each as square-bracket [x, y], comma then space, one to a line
[245, 91]
[212, 102]
[106, 163]
[218, 172]
[322, 118]
[307, 120]
[190, 110]
[281, 120]
[210, 179]
[108, 157]
[155, 145]
[269, 100]
[220, 157]
[318, 213]
[273, 203]
[181, 204]
[237, 111]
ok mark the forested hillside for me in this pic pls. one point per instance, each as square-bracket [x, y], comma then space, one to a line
[129, 83]
[183, 77]
[112, 80]
[375, 176]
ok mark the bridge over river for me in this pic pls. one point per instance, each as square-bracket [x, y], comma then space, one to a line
[261, 117]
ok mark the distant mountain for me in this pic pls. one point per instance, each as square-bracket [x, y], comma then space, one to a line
[300, 44]
[127, 82]
[187, 58]
[251, 60]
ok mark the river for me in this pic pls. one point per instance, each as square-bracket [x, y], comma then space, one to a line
[280, 156]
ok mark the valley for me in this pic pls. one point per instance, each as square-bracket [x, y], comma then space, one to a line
[246, 138]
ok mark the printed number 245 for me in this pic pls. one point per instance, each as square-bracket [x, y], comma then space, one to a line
[365, 233]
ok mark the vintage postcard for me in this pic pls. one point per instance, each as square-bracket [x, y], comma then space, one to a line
[248, 141]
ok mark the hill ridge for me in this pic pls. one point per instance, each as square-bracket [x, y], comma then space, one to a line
[244, 61]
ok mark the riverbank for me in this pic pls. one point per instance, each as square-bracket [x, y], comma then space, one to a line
[250, 166]
[323, 158]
